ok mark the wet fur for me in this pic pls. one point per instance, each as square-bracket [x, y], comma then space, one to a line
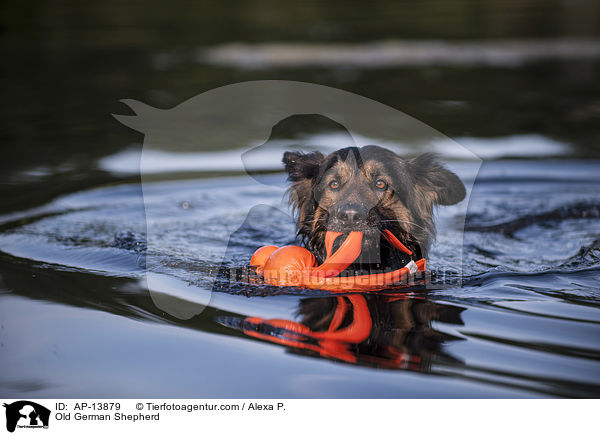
[414, 187]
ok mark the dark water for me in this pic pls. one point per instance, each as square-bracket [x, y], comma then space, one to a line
[515, 81]
[77, 318]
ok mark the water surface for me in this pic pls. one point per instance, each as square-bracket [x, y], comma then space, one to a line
[78, 319]
[511, 81]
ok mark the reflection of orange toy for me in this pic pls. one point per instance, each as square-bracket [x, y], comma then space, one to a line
[297, 266]
[333, 343]
[337, 341]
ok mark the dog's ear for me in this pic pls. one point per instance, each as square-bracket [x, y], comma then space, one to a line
[302, 169]
[433, 177]
[301, 166]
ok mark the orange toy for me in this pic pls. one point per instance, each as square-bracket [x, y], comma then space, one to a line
[297, 266]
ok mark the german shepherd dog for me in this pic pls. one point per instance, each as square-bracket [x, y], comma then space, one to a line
[369, 189]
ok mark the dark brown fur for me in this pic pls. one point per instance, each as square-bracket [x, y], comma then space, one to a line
[413, 187]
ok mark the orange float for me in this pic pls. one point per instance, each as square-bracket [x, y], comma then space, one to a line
[297, 266]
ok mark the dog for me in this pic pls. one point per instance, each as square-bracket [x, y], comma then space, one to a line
[369, 189]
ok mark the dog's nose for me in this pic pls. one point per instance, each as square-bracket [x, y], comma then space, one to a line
[352, 214]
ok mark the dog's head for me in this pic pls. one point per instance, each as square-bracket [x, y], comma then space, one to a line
[369, 189]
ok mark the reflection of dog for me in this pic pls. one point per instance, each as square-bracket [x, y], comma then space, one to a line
[370, 189]
[401, 335]
[393, 331]
[25, 413]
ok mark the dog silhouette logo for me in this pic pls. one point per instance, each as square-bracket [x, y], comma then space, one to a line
[26, 414]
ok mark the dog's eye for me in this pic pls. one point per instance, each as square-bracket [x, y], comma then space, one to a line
[334, 184]
[380, 184]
